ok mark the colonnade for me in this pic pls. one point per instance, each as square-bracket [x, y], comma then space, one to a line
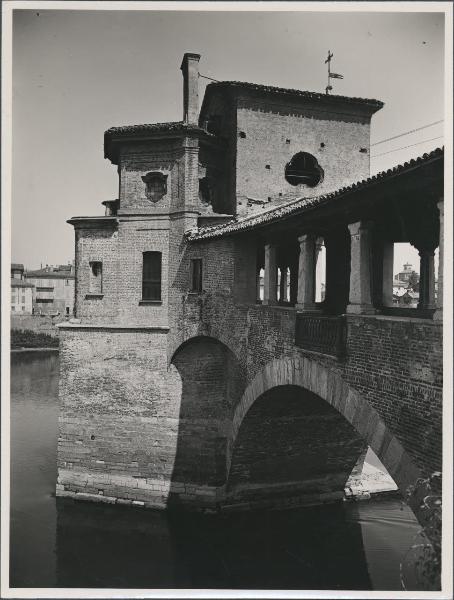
[360, 299]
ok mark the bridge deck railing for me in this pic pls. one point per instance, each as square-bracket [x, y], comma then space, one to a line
[321, 333]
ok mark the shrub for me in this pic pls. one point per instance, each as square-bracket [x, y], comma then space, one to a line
[424, 555]
[25, 338]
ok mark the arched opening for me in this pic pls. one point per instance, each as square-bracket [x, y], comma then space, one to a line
[209, 379]
[367, 425]
[292, 448]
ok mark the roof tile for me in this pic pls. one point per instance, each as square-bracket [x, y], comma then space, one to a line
[236, 225]
[334, 98]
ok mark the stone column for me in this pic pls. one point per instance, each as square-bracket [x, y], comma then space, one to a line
[294, 283]
[257, 284]
[283, 284]
[360, 301]
[270, 281]
[438, 314]
[388, 275]
[426, 279]
[306, 273]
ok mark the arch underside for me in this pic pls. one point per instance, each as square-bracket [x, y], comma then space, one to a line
[210, 384]
[295, 430]
[292, 448]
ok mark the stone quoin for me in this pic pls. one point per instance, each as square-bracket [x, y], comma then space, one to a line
[200, 370]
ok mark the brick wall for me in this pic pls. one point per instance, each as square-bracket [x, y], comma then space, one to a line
[397, 365]
[119, 414]
[163, 412]
[262, 156]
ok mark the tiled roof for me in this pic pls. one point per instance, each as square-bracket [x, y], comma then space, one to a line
[377, 104]
[302, 204]
[171, 126]
[112, 134]
[17, 266]
[44, 274]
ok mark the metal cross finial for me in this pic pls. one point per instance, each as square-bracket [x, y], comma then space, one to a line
[329, 87]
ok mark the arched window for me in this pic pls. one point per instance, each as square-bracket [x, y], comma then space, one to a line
[303, 169]
[151, 276]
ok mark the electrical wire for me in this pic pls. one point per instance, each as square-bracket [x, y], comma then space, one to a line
[210, 78]
[410, 146]
[407, 132]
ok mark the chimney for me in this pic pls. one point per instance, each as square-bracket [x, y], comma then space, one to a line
[190, 69]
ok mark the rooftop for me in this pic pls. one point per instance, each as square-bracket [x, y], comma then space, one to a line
[146, 129]
[302, 204]
[60, 272]
[17, 266]
[302, 94]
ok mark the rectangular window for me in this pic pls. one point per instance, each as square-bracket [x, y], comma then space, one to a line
[13, 308]
[23, 299]
[96, 277]
[196, 275]
[151, 276]
[67, 310]
[44, 300]
[44, 289]
[23, 308]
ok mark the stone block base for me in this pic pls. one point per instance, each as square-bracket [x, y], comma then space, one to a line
[135, 491]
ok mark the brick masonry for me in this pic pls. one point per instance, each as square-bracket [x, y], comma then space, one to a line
[167, 410]
[202, 399]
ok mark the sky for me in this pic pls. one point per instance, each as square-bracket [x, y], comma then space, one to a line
[78, 72]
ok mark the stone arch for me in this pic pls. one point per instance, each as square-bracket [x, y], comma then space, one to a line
[196, 331]
[331, 387]
[207, 380]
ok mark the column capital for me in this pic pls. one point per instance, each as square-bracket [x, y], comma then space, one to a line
[305, 237]
[356, 228]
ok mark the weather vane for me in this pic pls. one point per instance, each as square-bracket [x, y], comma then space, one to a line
[329, 87]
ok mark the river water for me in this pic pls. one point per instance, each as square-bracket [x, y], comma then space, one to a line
[63, 543]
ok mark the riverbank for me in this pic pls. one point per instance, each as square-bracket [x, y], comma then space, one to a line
[35, 349]
[25, 338]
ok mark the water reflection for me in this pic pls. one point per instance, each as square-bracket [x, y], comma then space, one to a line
[71, 544]
[110, 546]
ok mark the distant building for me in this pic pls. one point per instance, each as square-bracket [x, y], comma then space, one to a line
[406, 287]
[405, 275]
[21, 291]
[54, 289]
